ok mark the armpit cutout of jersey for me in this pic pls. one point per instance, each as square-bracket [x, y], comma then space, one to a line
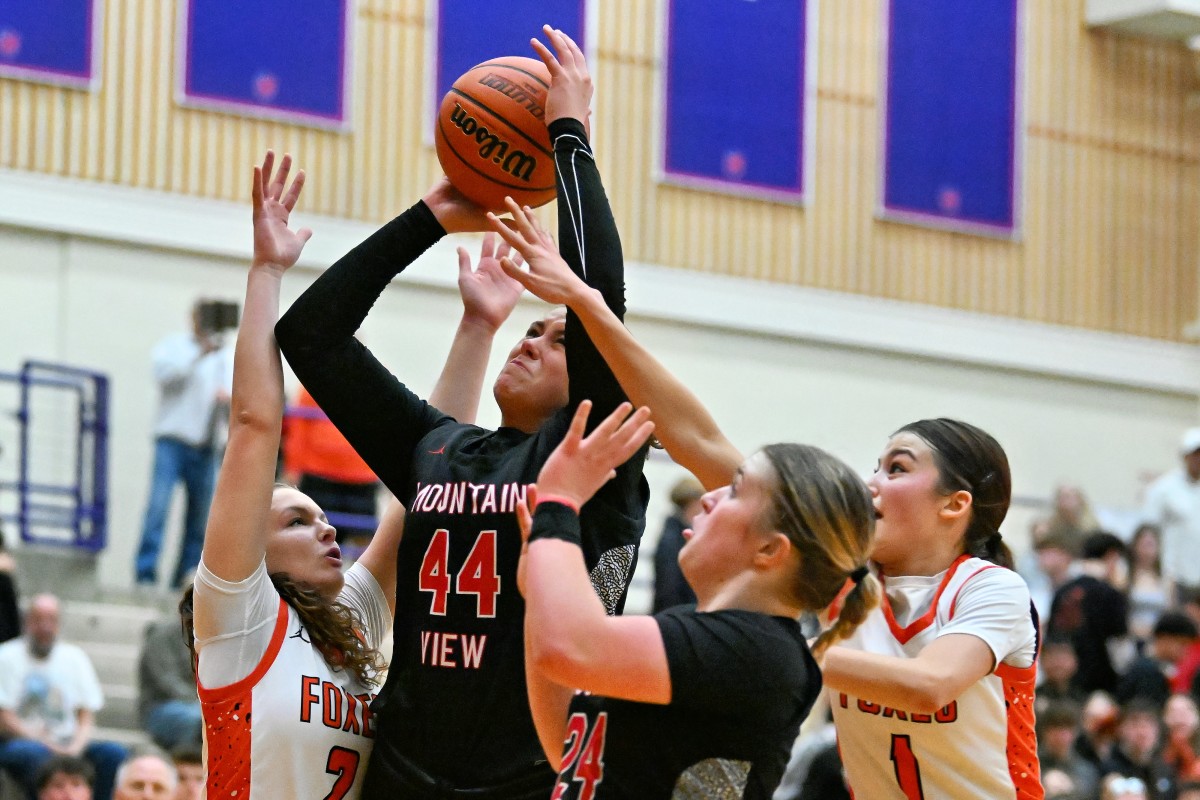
[713, 779]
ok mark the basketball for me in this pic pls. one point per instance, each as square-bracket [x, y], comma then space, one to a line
[491, 133]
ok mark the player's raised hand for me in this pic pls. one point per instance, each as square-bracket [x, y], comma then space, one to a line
[548, 275]
[579, 466]
[275, 244]
[570, 94]
[489, 294]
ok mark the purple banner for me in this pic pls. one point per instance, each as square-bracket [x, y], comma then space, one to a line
[52, 41]
[470, 32]
[267, 58]
[737, 122]
[950, 146]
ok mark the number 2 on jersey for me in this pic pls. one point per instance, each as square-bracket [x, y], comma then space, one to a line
[477, 576]
[908, 770]
[342, 762]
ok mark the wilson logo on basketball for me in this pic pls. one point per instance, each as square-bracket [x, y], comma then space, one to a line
[514, 92]
[492, 148]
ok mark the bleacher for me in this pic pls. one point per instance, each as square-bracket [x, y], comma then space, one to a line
[110, 632]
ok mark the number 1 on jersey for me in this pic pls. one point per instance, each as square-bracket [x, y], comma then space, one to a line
[908, 770]
[478, 575]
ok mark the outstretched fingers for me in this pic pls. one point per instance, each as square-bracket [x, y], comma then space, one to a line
[293, 192]
[562, 46]
[256, 190]
[275, 187]
[578, 426]
[548, 58]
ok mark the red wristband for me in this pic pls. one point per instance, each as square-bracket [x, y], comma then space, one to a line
[555, 498]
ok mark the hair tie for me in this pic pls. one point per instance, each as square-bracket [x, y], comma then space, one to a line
[860, 573]
[994, 540]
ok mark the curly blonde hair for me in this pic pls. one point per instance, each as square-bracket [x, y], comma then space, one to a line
[334, 628]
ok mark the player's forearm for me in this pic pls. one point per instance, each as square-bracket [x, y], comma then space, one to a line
[682, 423]
[460, 383]
[257, 399]
[329, 312]
[380, 556]
[887, 680]
[548, 704]
[563, 614]
[924, 684]
[587, 232]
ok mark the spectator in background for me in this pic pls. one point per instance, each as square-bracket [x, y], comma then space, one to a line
[1056, 727]
[1097, 729]
[146, 776]
[194, 374]
[1173, 505]
[168, 705]
[65, 778]
[10, 614]
[1119, 787]
[1072, 518]
[49, 694]
[1091, 611]
[1181, 721]
[189, 771]
[1057, 666]
[670, 588]
[319, 461]
[1149, 676]
[1188, 790]
[1149, 592]
[1138, 751]
[1055, 564]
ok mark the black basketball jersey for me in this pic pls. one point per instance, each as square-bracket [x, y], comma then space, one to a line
[453, 712]
[741, 684]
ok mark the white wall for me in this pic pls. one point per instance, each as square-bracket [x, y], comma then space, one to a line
[772, 363]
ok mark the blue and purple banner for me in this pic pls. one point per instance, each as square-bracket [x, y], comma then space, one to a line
[950, 139]
[737, 77]
[51, 41]
[469, 32]
[268, 58]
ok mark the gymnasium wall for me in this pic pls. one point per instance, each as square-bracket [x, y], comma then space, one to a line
[814, 323]
[1111, 186]
[94, 276]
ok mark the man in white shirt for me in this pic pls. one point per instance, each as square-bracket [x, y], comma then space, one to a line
[1173, 504]
[49, 694]
[194, 375]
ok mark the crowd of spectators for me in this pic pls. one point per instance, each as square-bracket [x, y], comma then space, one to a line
[1119, 667]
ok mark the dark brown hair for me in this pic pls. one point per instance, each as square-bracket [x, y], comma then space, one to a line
[969, 459]
[826, 511]
[332, 627]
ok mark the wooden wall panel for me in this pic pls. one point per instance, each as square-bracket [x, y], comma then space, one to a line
[1111, 161]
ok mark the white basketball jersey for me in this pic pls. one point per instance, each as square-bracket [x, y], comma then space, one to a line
[292, 728]
[980, 747]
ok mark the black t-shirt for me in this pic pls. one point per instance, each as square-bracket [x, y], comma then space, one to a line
[453, 712]
[741, 684]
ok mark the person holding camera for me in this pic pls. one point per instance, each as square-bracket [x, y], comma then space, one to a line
[194, 374]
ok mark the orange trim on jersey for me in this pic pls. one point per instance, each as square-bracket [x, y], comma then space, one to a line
[925, 620]
[1024, 769]
[954, 602]
[247, 683]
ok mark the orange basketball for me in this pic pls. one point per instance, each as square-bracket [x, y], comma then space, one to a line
[491, 133]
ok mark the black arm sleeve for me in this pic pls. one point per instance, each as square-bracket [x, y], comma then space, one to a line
[376, 413]
[589, 243]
